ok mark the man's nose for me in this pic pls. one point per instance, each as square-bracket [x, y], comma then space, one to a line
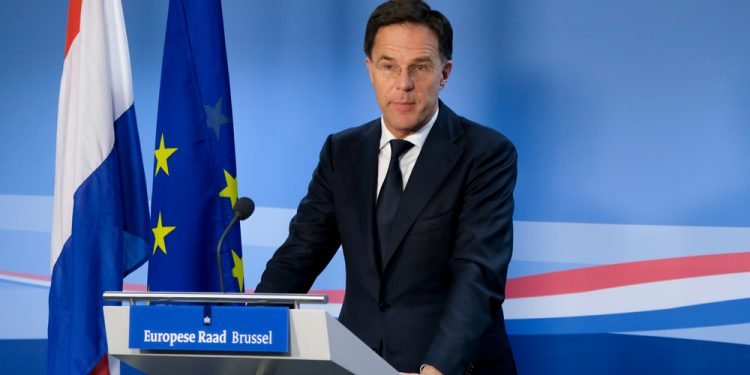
[405, 81]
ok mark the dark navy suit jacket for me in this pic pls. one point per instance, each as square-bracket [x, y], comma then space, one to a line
[437, 298]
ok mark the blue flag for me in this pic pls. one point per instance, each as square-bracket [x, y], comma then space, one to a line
[195, 177]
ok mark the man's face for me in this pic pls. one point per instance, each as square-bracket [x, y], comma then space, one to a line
[407, 73]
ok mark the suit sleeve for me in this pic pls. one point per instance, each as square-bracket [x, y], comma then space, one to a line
[313, 236]
[479, 265]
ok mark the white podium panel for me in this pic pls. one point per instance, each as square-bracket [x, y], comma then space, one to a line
[318, 344]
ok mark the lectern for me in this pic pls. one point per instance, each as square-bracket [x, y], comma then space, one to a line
[317, 343]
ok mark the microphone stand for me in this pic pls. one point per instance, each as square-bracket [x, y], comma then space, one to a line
[218, 249]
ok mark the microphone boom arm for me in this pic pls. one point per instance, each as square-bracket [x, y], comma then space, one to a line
[218, 250]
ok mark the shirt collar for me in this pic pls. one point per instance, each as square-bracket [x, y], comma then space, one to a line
[417, 138]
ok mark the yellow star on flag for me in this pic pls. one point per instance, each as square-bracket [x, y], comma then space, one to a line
[162, 154]
[159, 233]
[238, 271]
[230, 191]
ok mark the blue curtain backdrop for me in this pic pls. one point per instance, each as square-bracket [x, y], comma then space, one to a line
[630, 119]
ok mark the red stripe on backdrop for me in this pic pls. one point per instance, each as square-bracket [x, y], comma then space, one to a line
[622, 274]
[135, 287]
[334, 295]
[74, 23]
[28, 276]
[572, 281]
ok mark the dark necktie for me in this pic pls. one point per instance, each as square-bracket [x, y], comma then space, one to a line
[390, 195]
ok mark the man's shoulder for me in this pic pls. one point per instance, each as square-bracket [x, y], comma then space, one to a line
[354, 140]
[485, 146]
[476, 130]
[478, 135]
[357, 133]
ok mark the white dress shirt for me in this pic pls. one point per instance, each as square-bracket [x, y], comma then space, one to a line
[409, 158]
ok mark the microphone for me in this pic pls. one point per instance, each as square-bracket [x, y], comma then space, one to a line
[243, 208]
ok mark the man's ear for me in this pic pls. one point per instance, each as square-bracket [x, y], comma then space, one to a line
[446, 72]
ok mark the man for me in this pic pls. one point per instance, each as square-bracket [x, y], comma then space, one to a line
[427, 234]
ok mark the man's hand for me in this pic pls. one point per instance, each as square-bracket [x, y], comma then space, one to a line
[426, 370]
[429, 370]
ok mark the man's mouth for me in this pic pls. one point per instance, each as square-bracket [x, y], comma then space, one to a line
[402, 105]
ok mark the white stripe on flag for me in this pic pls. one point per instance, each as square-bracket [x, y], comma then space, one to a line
[96, 89]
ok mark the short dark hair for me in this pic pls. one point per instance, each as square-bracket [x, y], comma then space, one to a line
[410, 11]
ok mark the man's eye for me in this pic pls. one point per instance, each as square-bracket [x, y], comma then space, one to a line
[388, 67]
[421, 68]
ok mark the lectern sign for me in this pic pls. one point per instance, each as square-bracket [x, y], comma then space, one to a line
[210, 328]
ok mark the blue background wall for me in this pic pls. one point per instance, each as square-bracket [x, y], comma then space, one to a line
[629, 116]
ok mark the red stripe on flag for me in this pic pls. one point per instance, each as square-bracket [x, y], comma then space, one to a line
[102, 368]
[74, 23]
[614, 275]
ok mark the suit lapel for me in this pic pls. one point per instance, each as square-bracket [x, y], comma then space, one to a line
[437, 158]
[364, 174]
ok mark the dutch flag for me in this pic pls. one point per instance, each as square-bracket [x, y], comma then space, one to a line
[100, 229]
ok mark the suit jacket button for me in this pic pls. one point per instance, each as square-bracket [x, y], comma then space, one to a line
[384, 307]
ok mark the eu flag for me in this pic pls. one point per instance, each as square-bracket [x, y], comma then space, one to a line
[195, 177]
